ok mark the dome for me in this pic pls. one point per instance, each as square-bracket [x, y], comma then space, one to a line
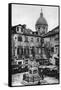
[41, 20]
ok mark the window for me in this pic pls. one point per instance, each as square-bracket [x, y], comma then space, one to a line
[19, 38]
[17, 28]
[26, 52]
[56, 37]
[39, 28]
[56, 50]
[31, 39]
[15, 37]
[32, 32]
[26, 61]
[20, 63]
[52, 49]
[35, 71]
[30, 71]
[37, 39]
[21, 29]
[42, 40]
[20, 52]
[38, 50]
[43, 27]
[26, 39]
[43, 32]
[36, 32]
[33, 51]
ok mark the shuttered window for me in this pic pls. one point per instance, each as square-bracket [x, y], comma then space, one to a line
[20, 52]
[26, 52]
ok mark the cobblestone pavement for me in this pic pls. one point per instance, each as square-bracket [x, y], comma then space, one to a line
[17, 80]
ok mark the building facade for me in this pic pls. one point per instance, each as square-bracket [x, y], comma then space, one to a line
[27, 43]
[52, 38]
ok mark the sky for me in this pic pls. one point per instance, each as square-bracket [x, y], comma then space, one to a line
[29, 14]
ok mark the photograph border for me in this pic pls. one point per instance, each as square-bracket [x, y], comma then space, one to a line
[9, 41]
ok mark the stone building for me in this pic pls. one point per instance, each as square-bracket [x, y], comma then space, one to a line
[27, 43]
[52, 37]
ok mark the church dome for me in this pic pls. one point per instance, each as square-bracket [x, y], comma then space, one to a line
[41, 20]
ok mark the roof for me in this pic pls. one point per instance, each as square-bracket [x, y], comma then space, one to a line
[16, 26]
[26, 31]
[52, 32]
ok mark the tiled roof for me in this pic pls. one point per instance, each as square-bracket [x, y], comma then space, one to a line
[52, 32]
